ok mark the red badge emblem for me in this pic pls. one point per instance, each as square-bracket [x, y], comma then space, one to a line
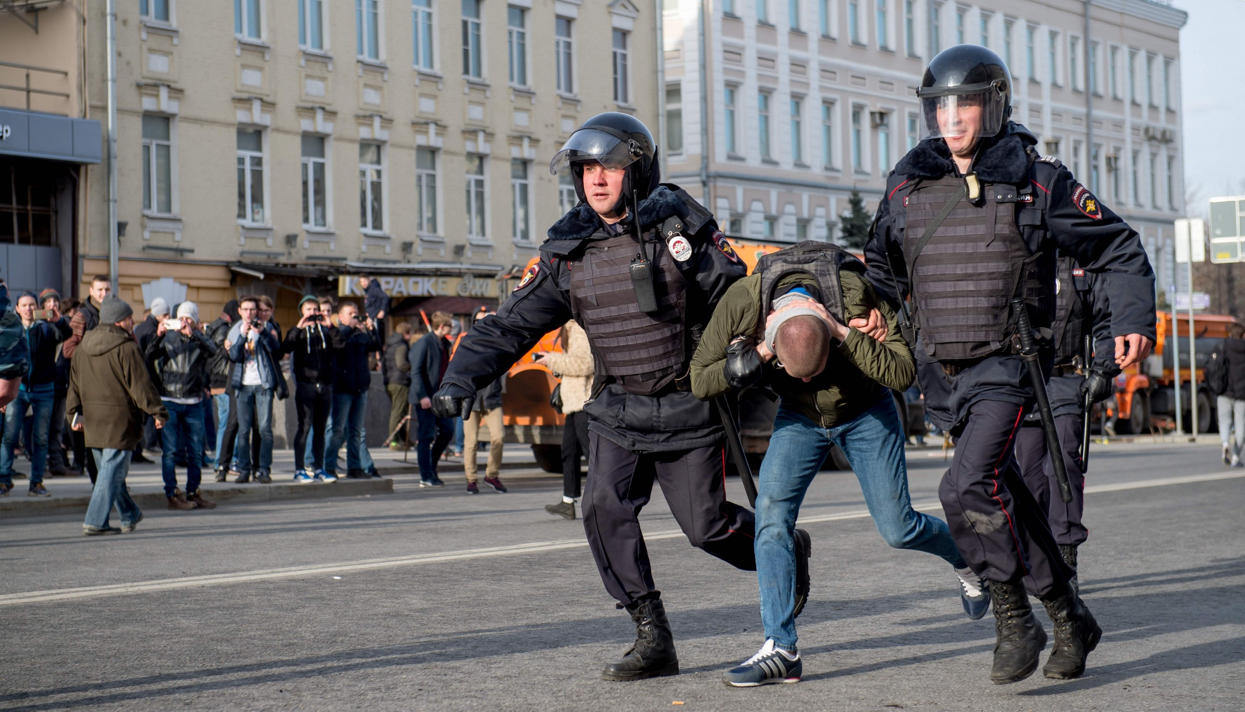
[1078, 272]
[528, 276]
[725, 246]
[1086, 203]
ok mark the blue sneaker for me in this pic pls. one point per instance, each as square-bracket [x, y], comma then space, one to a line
[973, 593]
[302, 477]
[769, 666]
[325, 476]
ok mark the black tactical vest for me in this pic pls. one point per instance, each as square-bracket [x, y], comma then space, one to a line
[966, 274]
[822, 260]
[1072, 312]
[644, 352]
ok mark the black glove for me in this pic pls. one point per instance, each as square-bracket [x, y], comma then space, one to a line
[451, 401]
[1097, 386]
[743, 364]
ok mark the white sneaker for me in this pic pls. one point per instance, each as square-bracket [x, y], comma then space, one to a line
[973, 594]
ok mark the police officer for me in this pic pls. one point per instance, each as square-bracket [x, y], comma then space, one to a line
[639, 265]
[970, 222]
[1082, 312]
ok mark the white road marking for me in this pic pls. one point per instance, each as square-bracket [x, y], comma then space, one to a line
[119, 589]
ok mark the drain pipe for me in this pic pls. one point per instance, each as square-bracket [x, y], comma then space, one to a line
[113, 239]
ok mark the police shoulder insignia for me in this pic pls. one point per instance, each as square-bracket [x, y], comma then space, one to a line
[528, 276]
[679, 246]
[1086, 203]
[725, 246]
[1078, 272]
[1051, 160]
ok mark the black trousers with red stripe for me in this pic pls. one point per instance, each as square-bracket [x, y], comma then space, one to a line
[999, 527]
[619, 484]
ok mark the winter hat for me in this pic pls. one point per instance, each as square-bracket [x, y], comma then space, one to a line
[159, 307]
[114, 310]
[188, 308]
[49, 292]
[308, 298]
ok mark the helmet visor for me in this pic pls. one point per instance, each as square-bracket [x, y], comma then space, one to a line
[595, 145]
[979, 113]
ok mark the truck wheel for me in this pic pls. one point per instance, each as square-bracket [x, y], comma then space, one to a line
[548, 457]
[1204, 411]
[1139, 417]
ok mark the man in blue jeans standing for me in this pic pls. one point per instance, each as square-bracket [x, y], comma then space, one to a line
[251, 344]
[352, 341]
[429, 357]
[787, 324]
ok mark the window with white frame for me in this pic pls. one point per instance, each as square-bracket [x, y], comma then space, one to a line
[248, 19]
[426, 196]
[367, 29]
[827, 134]
[477, 197]
[157, 165]
[622, 74]
[797, 130]
[935, 27]
[824, 10]
[1113, 72]
[311, 24]
[567, 197]
[1154, 179]
[985, 17]
[674, 117]
[735, 225]
[882, 24]
[961, 22]
[1009, 29]
[473, 47]
[1150, 80]
[1168, 71]
[251, 177]
[315, 186]
[516, 44]
[1031, 52]
[1133, 90]
[793, 14]
[1171, 182]
[422, 22]
[1113, 175]
[521, 194]
[909, 27]
[1136, 176]
[371, 187]
[1052, 57]
[1074, 63]
[564, 52]
[728, 6]
[853, 21]
[768, 225]
[730, 119]
[914, 132]
[155, 10]
[884, 141]
[763, 98]
[762, 11]
[1091, 68]
[801, 229]
[858, 139]
[1095, 169]
[1077, 168]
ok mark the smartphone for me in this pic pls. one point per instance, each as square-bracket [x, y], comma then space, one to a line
[77, 418]
[173, 324]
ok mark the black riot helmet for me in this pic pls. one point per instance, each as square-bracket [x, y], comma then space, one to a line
[966, 74]
[615, 140]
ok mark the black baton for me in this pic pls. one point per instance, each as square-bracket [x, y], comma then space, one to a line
[1028, 352]
[735, 444]
[1087, 404]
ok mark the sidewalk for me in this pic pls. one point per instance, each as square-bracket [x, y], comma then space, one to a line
[71, 494]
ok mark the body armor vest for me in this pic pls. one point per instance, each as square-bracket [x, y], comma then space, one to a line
[966, 274]
[1072, 314]
[642, 351]
[820, 259]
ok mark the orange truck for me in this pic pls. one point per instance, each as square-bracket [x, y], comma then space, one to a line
[1145, 398]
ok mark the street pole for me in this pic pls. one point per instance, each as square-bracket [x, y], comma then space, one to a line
[1193, 399]
[114, 241]
[1175, 339]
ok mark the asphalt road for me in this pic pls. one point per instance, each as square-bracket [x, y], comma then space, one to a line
[435, 600]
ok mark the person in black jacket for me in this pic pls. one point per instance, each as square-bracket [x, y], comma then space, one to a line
[222, 399]
[429, 357]
[485, 410]
[1231, 404]
[352, 341]
[58, 457]
[968, 227]
[396, 369]
[310, 346]
[181, 361]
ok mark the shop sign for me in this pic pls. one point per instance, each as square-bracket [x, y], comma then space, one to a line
[424, 286]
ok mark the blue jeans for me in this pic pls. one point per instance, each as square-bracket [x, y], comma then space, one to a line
[328, 438]
[873, 443]
[110, 488]
[255, 402]
[433, 435]
[41, 403]
[183, 428]
[221, 402]
[348, 411]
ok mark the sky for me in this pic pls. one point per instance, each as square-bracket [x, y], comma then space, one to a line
[1212, 58]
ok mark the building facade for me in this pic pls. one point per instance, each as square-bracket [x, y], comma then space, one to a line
[778, 109]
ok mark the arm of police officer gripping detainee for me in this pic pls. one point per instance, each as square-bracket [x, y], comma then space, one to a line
[713, 266]
[888, 362]
[735, 316]
[884, 258]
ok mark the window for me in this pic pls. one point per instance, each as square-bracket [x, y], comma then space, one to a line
[763, 124]
[315, 191]
[879, 9]
[1168, 66]
[909, 27]
[426, 191]
[477, 194]
[935, 28]
[1009, 28]
[251, 177]
[422, 24]
[1113, 71]
[762, 11]
[1074, 63]
[884, 142]
[1133, 91]
[853, 21]
[1171, 182]
[473, 48]
[516, 44]
[827, 134]
[797, 131]
[823, 17]
[1091, 68]
[914, 132]
[154, 10]
[1076, 167]
[1113, 174]
[984, 19]
[1052, 56]
[564, 51]
[1136, 176]
[674, 118]
[520, 191]
[311, 24]
[728, 7]
[1154, 179]
[157, 165]
[801, 229]
[729, 118]
[767, 227]
[1150, 79]
[1030, 52]
[793, 13]
[1095, 169]
[858, 159]
[246, 19]
[567, 199]
[371, 187]
[961, 19]
[367, 29]
[622, 92]
[735, 225]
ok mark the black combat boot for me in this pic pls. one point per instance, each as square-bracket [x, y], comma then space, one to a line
[1076, 634]
[1020, 638]
[653, 654]
[1067, 552]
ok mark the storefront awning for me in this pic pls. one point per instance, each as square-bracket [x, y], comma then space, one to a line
[31, 134]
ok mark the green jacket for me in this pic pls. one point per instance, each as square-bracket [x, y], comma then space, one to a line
[855, 370]
[109, 384]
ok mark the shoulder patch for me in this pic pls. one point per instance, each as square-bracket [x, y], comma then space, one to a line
[1078, 272]
[1051, 160]
[724, 246]
[528, 277]
[679, 246]
[1086, 202]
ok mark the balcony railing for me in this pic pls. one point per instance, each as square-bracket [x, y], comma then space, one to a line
[31, 81]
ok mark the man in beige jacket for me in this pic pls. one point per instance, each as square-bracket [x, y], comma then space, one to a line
[574, 365]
